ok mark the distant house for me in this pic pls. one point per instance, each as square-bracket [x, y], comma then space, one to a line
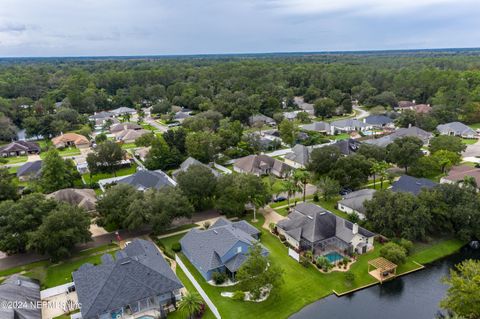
[347, 147]
[405, 105]
[190, 161]
[19, 148]
[261, 119]
[29, 171]
[353, 202]
[182, 114]
[457, 129]
[223, 247]
[144, 179]
[311, 227]
[123, 111]
[291, 115]
[262, 165]
[402, 132]
[423, 108]
[410, 184]
[321, 127]
[458, 174]
[267, 140]
[348, 125]
[142, 153]
[137, 283]
[81, 197]
[413, 106]
[378, 121]
[20, 297]
[299, 157]
[124, 126]
[70, 139]
[130, 136]
[306, 107]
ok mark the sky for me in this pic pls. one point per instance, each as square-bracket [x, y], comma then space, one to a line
[30, 28]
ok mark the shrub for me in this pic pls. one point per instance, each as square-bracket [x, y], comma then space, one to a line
[349, 278]
[309, 255]
[346, 260]
[282, 238]
[316, 198]
[304, 261]
[394, 252]
[219, 277]
[176, 247]
[206, 225]
[407, 244]
[238, 295]
[322, 262]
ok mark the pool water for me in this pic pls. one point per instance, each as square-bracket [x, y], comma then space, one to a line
[333, 257]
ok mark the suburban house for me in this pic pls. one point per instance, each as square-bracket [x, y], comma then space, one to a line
[101, 118]
[29, 171]
[402, 132]
[123, 111]
[458, 174]
[410, 184]
[182, 114]
[311, 227]
[353, 202]
[291, 115]
[347, 147]
[321, 127]
[423, 108]
[19, 148]
[130, 136]
[405, 105]
[81, 197]
[261, 119]
[267, 140]
[299, 157]
[457, 129]
[348, 125]
[142, 152]
[379, 121]
[262, 165]
[124, 126]
[20, 298]
[306, 107]
[145, 179]
[223, 247]
[189, 162]
[70, 139]
[136, 283]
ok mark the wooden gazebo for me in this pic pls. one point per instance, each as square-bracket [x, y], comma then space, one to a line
[383, 270]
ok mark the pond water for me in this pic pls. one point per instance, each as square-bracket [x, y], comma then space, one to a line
[416, 295]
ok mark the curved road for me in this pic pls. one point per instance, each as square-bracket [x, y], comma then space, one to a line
[361, 112]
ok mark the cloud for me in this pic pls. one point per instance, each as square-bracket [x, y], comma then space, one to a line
[12, 27]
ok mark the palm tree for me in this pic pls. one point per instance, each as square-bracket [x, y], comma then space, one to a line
[191, 304]
[383, 166]
[257, 201]
[302, 177]
[374, 170]
[290, 187]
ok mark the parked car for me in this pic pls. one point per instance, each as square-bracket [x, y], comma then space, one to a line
[280, 199]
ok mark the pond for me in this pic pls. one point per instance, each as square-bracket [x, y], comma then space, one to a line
[416, 295]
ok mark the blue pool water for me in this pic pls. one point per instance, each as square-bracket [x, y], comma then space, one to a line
[333, 257]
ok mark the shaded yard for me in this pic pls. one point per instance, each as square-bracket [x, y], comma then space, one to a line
[15, 160]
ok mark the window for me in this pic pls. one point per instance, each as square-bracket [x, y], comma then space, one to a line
[239, 249]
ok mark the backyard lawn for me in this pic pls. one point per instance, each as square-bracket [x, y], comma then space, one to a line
[15, 160]
[341, 136]
[127, 146]
[304, 285]
[68, 151]
[121, 172]
[469, 141]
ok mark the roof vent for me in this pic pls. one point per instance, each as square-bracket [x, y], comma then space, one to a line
[323, 213]
[418, 183]
[215, 231]
[310, 217]
[19, 282]
[125, 262]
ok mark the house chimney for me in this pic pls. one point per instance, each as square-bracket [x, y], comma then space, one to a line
[409, 125]
[413, 101]
[355, 229]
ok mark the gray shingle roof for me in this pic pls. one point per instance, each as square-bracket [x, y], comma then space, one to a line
[19, 146]
[378, 120]
[355, 200]
[144, 179]
[353, 123]
[402, 132]
[139, 272]
[347, 147]
[30, 168]
[300, 154]
[23, 290]
[189, 162]
[317, 127]
[205, 248]
[256, 164]
[456, 128]
[260, 118]
[410, 184]
[123, 110]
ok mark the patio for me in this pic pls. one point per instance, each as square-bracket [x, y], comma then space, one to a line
[383, 270]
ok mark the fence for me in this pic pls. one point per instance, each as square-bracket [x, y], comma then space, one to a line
[198, 287]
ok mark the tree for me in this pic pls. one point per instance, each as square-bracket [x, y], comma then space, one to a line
[162, 156]
[106, 157]
[323, 159]
[191, 304]
[288, 131]
[324, 107]
[100, 138]
[258, 273]
[374, 152]
[406, 119]
[162, 107]
[60, 231]
[19, 218]
[379, 169]
[351, 171]
[290, 187]
[405, 151]
[462, 297]
[425, 166]
[56, 172]
[198, 183]
[202, 146]
[446, 159]
[230, 132]
[145, 140]
[8, 130]
[302, 178]
[176, 139]
[8, 188]
[447, 143]
[394, 252]
[328, 187]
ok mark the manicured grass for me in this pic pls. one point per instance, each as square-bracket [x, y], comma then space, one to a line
[148, 127]
[425, 254]
[475, 126]
[15, 160]
[341, 136]
[167, 242]
[386, 184]
[127, 146]
[121, 172]
[469, 141]
[13, 170]
[68, 151]
[62, 273]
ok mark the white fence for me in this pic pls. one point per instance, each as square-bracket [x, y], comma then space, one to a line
[198, 287]
[292, 253]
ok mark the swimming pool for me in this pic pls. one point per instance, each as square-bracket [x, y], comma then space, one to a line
[333, 257]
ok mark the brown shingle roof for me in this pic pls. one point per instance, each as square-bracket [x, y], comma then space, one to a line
[75, 138]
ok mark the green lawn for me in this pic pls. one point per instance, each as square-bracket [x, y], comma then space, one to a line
[68, 151]
[475, 126]
[15, 160]
[377, 185]
[341, 136]
[469, 141]
[121, 172]
[425, 254]
[148, 127]
[127, 146]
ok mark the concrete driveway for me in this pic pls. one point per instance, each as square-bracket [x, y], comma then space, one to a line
[473, 150]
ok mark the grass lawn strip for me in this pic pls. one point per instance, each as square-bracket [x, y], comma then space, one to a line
[121, 172]
[15, 160]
